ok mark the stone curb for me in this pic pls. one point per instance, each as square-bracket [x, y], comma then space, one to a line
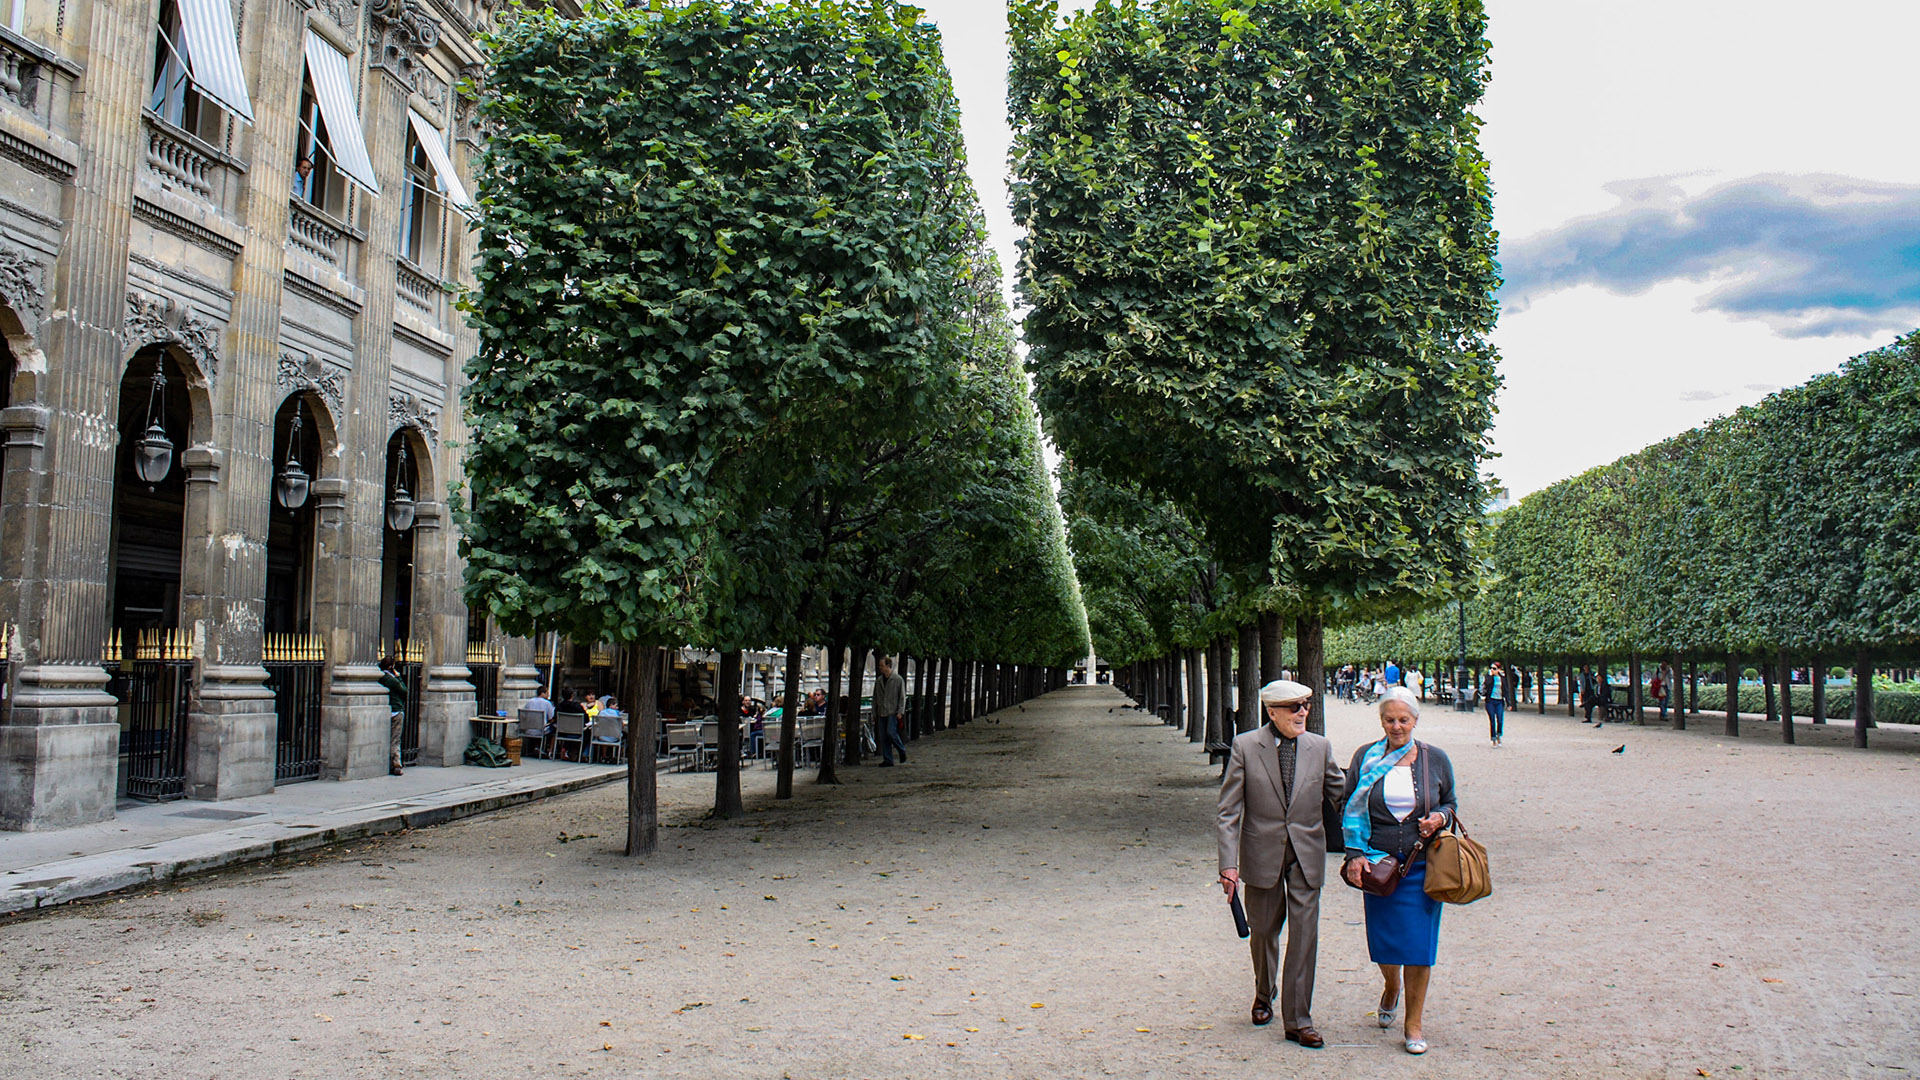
[99, 875]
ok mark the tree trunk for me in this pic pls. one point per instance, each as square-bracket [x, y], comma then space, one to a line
[1766, 683]
[1676, 695]
[789, 722]
[855, 691]
[1272, 636]
[945, 673]
[1786, 700]
[1817, 675]
[1196, 697]
[1733, 697]
[1693, 686]
[919, 697]
[1247, 717]
[1540, 684]
[726, 771]
[1308, 638]
[643, 794]
[1635, 704]
[830, 730]
[1862, 699]
[1216, 727]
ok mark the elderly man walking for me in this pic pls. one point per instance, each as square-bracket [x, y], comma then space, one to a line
[889, 701]
[1273, 839]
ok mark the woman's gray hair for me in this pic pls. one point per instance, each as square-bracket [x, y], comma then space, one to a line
[1402, 695]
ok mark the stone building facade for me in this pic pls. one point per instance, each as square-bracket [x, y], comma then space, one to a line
[229, 395]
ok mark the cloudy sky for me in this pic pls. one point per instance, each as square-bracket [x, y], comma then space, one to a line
[1699, 201]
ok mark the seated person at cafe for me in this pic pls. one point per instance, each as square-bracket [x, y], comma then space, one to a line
[531, 729]
[569, 707]
[815, 705]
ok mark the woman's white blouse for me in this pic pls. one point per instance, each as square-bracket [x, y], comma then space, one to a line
[1397, 788]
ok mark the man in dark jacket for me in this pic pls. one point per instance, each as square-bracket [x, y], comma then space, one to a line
[396, 709]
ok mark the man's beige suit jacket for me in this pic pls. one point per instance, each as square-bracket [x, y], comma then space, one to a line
[1258, 828]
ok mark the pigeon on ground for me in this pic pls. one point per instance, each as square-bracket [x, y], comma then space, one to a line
[1621, 749]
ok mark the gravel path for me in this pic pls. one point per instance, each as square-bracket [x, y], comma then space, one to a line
[1027, 898]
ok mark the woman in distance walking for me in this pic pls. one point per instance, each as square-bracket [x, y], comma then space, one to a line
[1402, 790]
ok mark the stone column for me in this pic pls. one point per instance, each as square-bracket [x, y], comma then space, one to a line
[59, 751]
[447, 700]
[519, 679]
[232, 730]
[356, 712]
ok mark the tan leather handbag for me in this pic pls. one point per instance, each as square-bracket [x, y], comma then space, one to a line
[1457, 870]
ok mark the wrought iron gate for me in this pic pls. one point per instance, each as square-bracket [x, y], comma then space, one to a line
[483, 665]
[410, 665]
[296, 670]
[155, 684]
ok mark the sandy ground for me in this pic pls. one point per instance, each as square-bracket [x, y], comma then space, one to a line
[1027, 898]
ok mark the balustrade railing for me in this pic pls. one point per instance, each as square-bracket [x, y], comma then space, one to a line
[314, 234]
[179, 159]
[418, 291]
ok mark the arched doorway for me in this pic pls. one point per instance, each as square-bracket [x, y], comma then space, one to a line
[149, 660]
[397, 576]
[295, 658]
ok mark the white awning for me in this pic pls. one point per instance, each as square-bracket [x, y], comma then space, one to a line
[333, 88]
[213, 55]
[443, 174]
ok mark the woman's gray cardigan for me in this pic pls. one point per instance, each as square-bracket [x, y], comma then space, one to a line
[1396, 838]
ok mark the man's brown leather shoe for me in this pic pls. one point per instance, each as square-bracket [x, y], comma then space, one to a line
[1306, 1037]
[1262, 1014]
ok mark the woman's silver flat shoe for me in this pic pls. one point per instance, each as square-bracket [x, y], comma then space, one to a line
[1416, 1046]
[1387, 1015]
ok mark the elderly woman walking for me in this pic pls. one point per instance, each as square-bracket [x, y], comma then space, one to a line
[1402, 791]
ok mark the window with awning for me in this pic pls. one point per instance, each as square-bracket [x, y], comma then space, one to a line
[196, 58]
[331, 131]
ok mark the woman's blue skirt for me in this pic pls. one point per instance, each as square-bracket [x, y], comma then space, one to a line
[1404, 928]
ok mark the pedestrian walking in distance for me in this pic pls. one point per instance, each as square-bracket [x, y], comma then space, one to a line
[1272, 839]
[889, 703]
[1493, 690]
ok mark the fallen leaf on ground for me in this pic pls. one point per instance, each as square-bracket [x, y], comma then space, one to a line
[1770, 980]
[912, 1036]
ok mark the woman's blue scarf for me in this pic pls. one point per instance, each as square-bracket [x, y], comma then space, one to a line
[1356, 824]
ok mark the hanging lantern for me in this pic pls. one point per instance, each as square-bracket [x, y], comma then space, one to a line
[293, 483]
[153, 452]
[399, 500]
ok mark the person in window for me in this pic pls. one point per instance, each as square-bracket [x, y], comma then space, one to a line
[303, 179]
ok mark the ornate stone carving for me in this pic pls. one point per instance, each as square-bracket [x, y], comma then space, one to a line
[398, 31]
[404, 408]
[468, 126]
[344, 12]
[431, 86]
[20, 282]
[309, 372]
[157, 320]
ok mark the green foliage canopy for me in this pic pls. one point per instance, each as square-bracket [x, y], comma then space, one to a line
[1260, 269]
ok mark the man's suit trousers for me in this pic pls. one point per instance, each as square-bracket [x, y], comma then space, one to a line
[1291, 900]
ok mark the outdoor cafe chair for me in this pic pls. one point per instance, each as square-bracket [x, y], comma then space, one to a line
[609, 733]
[534, 731]
[570, 727]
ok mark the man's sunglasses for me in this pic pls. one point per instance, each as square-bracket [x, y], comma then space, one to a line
[1296, 706]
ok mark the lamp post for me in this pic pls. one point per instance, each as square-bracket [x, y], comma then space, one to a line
[400, 500]
[293, 483]
[153, 453]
